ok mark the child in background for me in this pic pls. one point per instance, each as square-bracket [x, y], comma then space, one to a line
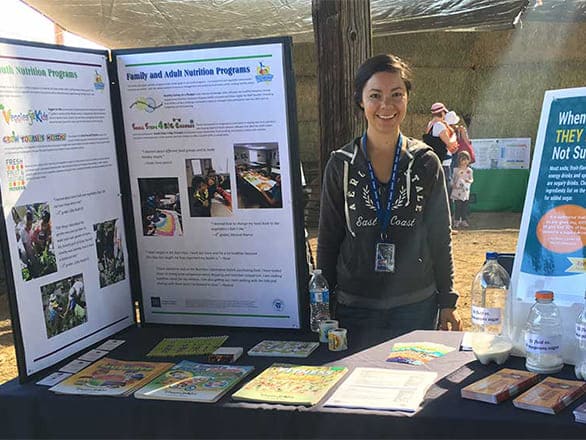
[462, 179]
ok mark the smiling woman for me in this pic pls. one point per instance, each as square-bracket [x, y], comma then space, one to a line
[384, 241]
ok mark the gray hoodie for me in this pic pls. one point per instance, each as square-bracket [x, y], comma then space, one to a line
[419, 228]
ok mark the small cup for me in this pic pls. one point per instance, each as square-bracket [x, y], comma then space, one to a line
[337, 339]
[324, 327]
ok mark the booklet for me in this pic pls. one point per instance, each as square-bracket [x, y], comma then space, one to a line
[171, 347]
[299, 349]
[194, 382]
[500, 386]
[295, 384]
[551, 395]
[417, 353]
[383, 389]
[111, 377]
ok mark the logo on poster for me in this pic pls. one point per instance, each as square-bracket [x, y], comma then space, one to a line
[99, 81]
[263, 73]
[279, 305]
[30, 117]
[148, 105]
[15, 174]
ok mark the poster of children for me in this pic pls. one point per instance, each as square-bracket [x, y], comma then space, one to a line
[160, 206]
[34, 240]
[210, 192]
[110, 254]
[64, 304]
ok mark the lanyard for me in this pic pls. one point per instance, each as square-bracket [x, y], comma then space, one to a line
[384, 218]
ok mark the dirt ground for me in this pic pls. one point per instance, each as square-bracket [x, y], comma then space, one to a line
[488, 231]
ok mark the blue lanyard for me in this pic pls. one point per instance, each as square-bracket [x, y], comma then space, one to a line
[384, 218]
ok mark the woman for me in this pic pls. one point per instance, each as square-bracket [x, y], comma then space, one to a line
[389, 262]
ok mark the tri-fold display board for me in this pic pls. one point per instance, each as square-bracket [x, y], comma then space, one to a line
[167, 176]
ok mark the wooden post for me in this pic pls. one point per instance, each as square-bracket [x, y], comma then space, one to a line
[342, 39]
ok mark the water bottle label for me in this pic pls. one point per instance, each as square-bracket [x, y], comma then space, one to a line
[486, 315]
[318, 296]
[581, 332]
[542, 344]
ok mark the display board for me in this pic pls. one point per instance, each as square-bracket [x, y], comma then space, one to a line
[63, 230]
[550, 251]
[502, 153]
[208, 139]
[168, 176]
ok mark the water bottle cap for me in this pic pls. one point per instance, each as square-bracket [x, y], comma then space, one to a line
[317, 271]
[544, 294]
[492, 255]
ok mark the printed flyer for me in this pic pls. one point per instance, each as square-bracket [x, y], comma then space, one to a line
[550, 253]
[61, 201]
[208, 150]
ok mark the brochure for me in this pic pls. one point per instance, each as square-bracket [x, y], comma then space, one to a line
[500, 386]
[170, 347]
[299, 349]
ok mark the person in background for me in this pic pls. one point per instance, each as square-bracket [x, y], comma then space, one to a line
[384, 242]
[442, 137]
[201, 197]
[461, 181]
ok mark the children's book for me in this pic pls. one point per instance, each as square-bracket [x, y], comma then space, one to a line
[500, 386]
[171, 347]
[194, 382]
[580, 413]
[110, 377]
[295, 384]
[384, 389]
[551, 395]
[297, 349]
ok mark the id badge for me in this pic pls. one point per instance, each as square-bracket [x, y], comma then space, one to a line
[385, 257]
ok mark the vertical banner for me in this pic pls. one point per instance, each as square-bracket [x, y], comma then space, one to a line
[64, 230]
[214, 175]
[550, 252]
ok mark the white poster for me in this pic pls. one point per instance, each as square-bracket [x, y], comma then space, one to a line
[208, 150]
[61, 201]
[502, 153]
[550, 251]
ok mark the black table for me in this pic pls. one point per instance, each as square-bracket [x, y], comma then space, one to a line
[31, 411]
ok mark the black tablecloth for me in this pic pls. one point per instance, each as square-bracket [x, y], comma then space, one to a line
[29, 410]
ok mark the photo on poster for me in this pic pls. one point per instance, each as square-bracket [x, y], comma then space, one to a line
[110, 254]
[160, 206]
[34, 240]
[210, 191]
[64, 304]
[258, 175]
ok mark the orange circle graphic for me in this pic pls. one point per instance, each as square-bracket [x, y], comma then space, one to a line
[563, 229]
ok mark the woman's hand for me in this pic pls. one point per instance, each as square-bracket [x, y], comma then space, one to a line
[450, 320]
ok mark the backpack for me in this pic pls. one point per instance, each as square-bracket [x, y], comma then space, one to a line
[439, 147]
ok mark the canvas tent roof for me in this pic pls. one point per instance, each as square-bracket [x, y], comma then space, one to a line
[142, 23]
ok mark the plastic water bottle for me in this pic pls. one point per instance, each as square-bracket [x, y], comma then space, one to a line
[543, 335]
[581, 339]
[319, 300]
[490, 309]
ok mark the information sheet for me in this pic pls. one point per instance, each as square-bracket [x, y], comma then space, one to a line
[502, 153]
[61, 201]
[550, 252]
[208, 150]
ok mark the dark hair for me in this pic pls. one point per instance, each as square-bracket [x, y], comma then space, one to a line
[380, 63]
[463, 155]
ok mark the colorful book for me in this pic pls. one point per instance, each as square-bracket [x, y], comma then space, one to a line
[417, 353]
[172, 347]
[500, 386]
[551, 395]
[298, 349]
[294, 384]
[194, 382]
[580, 413]
[111, 377]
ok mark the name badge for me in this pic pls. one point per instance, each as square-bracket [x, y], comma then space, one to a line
[385, 257]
